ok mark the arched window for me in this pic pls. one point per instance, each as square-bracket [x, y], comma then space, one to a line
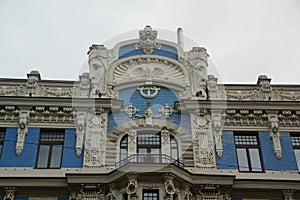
[174, 147]
[124, 147]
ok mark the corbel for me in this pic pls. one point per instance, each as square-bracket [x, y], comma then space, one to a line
[217, 126]
[22, 131]
[80, 130]
[9, 193]
[132, 186]
[274, 134]
[169, 185]
[288, 194]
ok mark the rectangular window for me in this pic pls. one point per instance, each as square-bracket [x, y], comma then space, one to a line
[2, 137]
[50, 148]
[296, 145]
[150, 195]
[247, 150]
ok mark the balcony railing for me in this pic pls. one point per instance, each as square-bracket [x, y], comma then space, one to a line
[149, 159]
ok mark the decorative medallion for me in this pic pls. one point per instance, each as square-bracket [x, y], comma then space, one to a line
[167, 111]
[130, 110]
[148, 91]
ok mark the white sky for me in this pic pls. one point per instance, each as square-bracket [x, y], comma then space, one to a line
[244, 38]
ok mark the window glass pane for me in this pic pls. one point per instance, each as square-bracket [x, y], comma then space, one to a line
[297, 155]
[43, 156]
[255, 160]
[174, 154]
[56, 156]
[242, 159]
[123, 154]
[0, 150]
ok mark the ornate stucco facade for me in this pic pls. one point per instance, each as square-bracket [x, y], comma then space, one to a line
[147, 122]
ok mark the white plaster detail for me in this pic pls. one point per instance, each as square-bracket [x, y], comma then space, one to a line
[169, 186]
[98, 62]
[202, 139]
[22, 131]
[148, 91]
[146, 70]
[132, 185]
[167, 111]
[84, 86]
[111, 194]
[265, 87]
[148, 115]
[217, 125]
[197, 58]
[9, 193]
[88, 192]
[147, 41]
[95, 142]
[288, 194]
[165, 142]
[241, 95]
[275, 135]
[132, 143]
[130, 110]
[80, 131]
[188, 194]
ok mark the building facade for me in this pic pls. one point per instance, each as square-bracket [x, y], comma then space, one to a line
[147, 122]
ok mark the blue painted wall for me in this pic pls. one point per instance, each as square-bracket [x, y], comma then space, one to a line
[165, 50]
[70, 159]
[27, 158]
[228, 160]
[132, 95]
[21, 198]
[270, 161]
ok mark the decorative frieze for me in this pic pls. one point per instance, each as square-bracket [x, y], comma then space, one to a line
[241, 95]
[51, 114]
[213, 192]
[245, 118]
[88, 192]
[22, 131]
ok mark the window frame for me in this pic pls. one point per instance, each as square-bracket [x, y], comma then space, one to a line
[173, 138]
[153, 191]
[51, 144]
[247, 147]
[124, 139]
[296, 146]
[2, 139]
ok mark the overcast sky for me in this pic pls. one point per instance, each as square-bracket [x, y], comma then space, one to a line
[244, 38]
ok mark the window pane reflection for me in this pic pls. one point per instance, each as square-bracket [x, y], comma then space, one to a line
[242, 159]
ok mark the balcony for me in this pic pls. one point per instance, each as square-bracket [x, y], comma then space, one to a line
[149, 159]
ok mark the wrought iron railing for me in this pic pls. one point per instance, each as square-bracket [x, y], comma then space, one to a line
[149, 159]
